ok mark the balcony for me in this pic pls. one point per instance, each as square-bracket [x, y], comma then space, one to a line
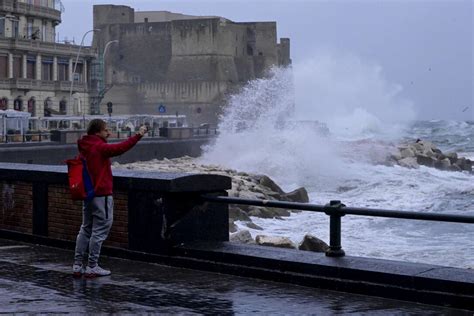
[6, 5]
[21, 8]
[58, 49]
[41, 85]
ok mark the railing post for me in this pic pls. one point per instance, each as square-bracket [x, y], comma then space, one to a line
[335, 248]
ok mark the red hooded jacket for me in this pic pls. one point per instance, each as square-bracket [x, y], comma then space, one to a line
[97, 152]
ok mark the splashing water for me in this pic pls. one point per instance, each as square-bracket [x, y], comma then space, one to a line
[350, 97]
[367, 117]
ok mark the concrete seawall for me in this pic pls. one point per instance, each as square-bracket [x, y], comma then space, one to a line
[146, 149]
[162, 217]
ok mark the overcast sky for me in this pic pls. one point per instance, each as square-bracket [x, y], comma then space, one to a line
[424, 46]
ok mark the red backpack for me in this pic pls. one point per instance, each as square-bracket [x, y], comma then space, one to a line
[80, 183]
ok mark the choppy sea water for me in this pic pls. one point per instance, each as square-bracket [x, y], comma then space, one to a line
[345, 164]
[365, 184]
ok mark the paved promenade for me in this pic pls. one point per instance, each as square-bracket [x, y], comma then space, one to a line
[37, 279]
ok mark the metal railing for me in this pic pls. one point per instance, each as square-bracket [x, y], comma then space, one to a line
[25, 138]
[204, 131]
[335, 210]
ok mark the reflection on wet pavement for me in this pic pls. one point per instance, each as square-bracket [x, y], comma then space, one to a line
[37, 279]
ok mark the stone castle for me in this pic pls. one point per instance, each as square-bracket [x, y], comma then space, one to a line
[141, 62]
[163, 62]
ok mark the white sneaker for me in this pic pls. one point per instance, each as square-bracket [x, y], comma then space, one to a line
[96, 272]
[77, 270]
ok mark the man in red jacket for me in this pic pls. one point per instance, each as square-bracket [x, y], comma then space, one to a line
[97, 214]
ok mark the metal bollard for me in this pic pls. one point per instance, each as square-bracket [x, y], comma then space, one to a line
[335, 248]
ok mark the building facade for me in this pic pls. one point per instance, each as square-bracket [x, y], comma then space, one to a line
[163, 62]
[36, 72]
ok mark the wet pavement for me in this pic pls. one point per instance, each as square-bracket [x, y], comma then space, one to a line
[37, 279]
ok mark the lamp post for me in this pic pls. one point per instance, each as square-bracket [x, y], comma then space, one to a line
[77, 59]
[103, 57]
[104, 76]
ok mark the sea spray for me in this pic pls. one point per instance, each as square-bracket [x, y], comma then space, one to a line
[351, 96]
[363, 112]
[341, 93]
[255, 136]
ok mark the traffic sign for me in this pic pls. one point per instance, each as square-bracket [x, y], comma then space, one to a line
[162, 108]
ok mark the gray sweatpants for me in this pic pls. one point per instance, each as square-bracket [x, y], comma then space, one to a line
[97, 218]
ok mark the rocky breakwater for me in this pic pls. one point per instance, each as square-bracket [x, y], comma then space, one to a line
[247, 186]
[424, 153]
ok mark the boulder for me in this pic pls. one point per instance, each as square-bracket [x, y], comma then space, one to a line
[468, 165]
[425, 160]
[417, 148]
[242, 236]
[298, 195]
[454, 167]
[443, 164]
[267, 212]
[253, 226]
[237, 214]
[453, 157]
[409, 162]
[311, 243]
[394, 157]
[232, 227]
[275, 241]
[427, 145]
[428, 152]
[269, 183]
[406, 153]
[464, 164]
[281, 211]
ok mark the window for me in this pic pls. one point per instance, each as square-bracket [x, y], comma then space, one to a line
[249, 50]
[47, 68]
[3, 103]
[78, 73]
[48, 103]
[31, 67]
[63, 69]
[18, 104]
[17, 67]
[3, 66]
[62, 106]
[32, 106]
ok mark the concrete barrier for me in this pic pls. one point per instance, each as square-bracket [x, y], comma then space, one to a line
[160, 217]
[153, 210]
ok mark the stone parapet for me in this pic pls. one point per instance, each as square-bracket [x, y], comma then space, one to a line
[153, 211]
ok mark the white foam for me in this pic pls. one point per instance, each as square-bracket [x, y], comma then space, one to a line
[363, 112]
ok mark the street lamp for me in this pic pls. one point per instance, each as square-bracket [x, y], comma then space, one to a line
[103, 57]
[77, 59]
